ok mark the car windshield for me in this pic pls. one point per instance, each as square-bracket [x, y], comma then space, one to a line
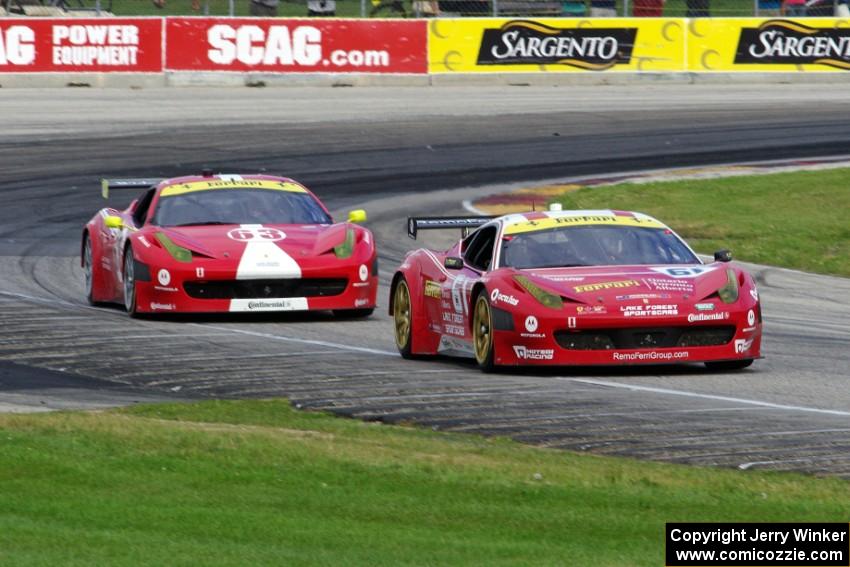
[594, 245]
[239, 206]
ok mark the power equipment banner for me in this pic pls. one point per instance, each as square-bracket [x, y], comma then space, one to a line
[296, 45]
[499, 45]
[756, 44]
[33, 45]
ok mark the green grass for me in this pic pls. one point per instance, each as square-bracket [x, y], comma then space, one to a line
[256, 483]
[797, 220]
[351, 8]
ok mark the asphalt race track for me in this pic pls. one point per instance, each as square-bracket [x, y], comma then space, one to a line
[400, 151]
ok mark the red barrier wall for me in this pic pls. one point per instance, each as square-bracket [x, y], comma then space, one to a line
[296, 45]
[78, 45]
[154, 45]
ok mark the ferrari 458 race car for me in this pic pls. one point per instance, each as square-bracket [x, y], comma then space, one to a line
[228, 243]
[573, 288]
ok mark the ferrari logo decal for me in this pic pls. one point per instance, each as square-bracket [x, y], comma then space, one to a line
[605, 285]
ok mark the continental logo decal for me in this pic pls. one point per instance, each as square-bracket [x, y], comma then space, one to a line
[605, 285]
[534, 43]
[231, 184]
[432, 289]
[785, 42]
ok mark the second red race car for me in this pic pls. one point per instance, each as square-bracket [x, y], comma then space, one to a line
[573, 288]
[228, 243]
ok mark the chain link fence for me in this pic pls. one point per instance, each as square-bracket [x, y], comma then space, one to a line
[427, 8]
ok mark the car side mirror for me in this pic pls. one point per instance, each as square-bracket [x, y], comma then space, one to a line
[357, 215]
[453, 263]
[723, 256]
[113, 221]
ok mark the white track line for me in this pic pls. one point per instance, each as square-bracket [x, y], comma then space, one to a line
[313, 342]
[249, 356]
[568, 416]
[443, 395]
[467, 204]
[338, 346]
[162, 335]
[669, 392]
[367, 350]
[48, 300]
[8, 407]
[747, 466]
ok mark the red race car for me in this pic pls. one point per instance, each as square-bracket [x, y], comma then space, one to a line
[573, 288]
[228, 243]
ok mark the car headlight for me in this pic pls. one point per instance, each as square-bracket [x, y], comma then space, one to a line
[346, 248]
[548, 299]
[729, 292]
[177, 252]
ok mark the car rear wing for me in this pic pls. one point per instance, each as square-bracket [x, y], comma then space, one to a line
[134, 183]
[415, 224]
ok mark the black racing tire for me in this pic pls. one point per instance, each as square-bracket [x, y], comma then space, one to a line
[403, 318]
[353, 313]
[129, 279]
[482, 333]
[727, 365]
[88, 270]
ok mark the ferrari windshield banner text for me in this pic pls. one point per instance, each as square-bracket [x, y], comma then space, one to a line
[295, 46]
[81, 45]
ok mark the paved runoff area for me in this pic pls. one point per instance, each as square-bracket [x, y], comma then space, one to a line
[399, 152]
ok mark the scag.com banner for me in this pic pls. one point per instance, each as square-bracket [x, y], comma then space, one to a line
[81, 45]
[498, 45]
[753, 44]
[296, 45]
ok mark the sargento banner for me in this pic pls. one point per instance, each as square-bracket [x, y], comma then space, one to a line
[532, 42]
[316, 45]
[780, 41]
[81, 45]
[556, 45]
[819, 44]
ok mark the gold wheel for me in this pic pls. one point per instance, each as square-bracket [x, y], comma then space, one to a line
[482, 332]
[401, 316]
